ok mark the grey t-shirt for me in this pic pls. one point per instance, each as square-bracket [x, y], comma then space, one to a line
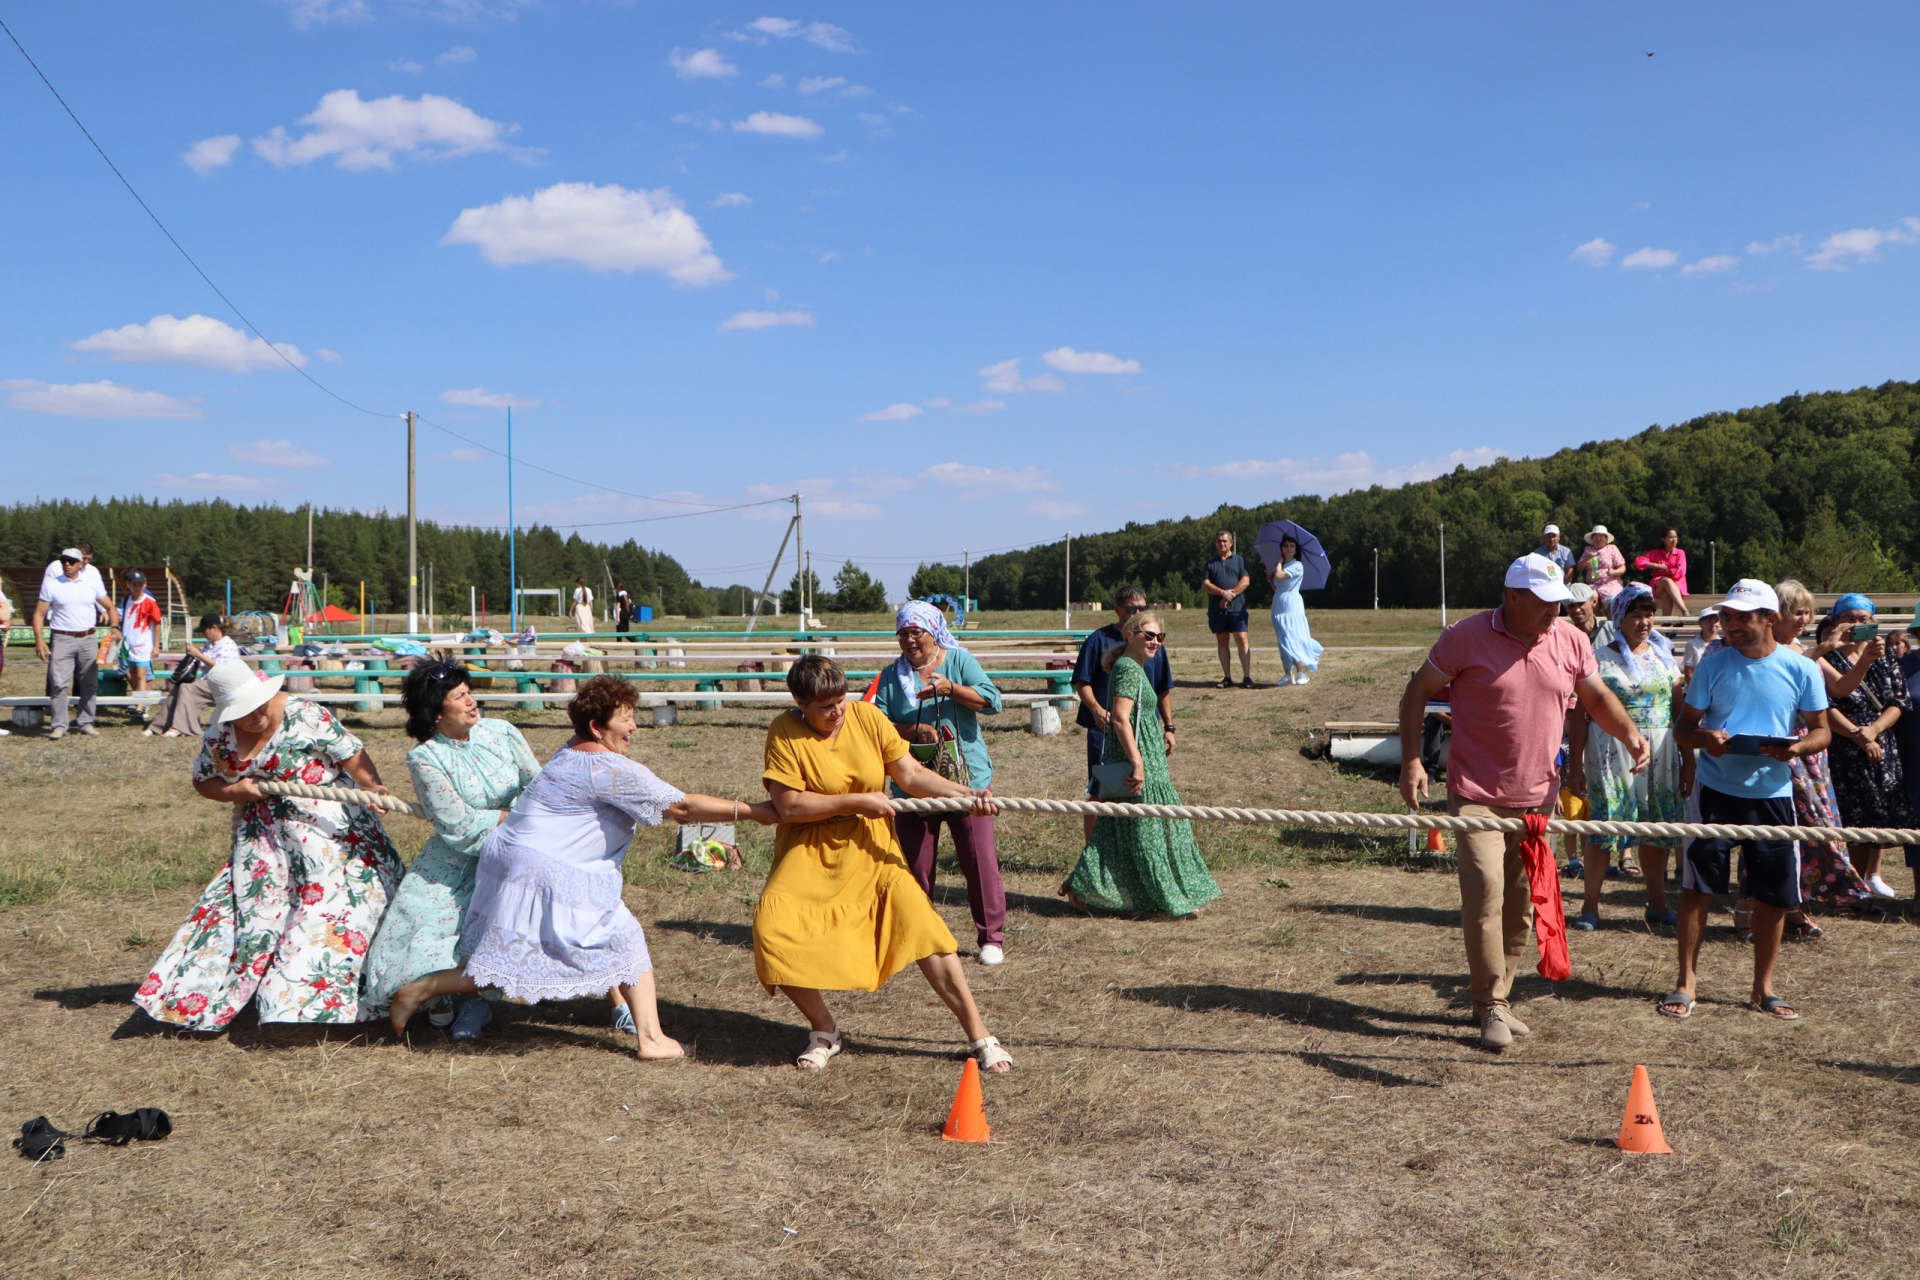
[1226, 573]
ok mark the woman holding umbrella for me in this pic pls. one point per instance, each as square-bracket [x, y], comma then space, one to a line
[1299, 651]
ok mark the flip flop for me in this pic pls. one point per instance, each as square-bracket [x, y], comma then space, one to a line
[1774, 1006]
[1676, 999]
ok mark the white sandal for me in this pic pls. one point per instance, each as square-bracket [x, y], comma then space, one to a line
[989, 1053]
[820, 1048]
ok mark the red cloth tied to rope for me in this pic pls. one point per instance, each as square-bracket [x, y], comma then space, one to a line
[1549, 918]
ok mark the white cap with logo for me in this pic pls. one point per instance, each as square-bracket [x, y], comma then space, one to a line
[1541, 576]
[1749, 594]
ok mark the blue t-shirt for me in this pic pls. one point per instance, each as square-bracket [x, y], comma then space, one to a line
[1088, 669]
[1226, 573]
[1762, 696]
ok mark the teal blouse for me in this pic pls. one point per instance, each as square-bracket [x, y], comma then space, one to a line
[464, 785]
[962, 668]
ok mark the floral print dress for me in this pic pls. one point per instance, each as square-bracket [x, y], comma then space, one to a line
[287, 921]
[465, 786]
[1872, 793]
[1644, 684]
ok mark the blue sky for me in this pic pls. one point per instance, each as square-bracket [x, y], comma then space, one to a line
[965, 276]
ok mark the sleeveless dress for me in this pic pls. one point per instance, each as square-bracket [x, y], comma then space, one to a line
[1644, 684]
[1142, 864]
[464, 786]
[1298, 648]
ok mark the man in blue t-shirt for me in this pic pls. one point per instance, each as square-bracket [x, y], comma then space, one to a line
[1090, 683]
[1226, 586]
[1743, 705]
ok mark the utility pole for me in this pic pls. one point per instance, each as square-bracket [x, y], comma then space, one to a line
[513, 580]
[1443, 577]
[1066, 614]
[309, 540]
[1376, 579]
[800, 560]
[413, 545]
[772, 569]
[1713, 568]
[966, 591]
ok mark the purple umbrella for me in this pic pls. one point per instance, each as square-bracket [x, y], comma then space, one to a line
[1313, 557]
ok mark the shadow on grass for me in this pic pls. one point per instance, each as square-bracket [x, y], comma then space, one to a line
[1444, 918]
[88, 997]
[1878, 1070]
[1317, 1011]
[727, 935]
[955, 895]
[1454, 987]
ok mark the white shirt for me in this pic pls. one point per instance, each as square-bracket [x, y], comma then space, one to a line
[88, 574]
[220, 650]
[70, 602]
[582, 595]
[139, 639]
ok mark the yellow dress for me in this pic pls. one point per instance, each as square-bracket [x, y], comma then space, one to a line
[840, 912]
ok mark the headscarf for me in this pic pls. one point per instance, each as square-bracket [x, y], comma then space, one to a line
[929, 618]
[1617, 608]
[1849, 602]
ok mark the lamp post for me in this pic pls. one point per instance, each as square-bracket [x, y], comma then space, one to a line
[1443, 577]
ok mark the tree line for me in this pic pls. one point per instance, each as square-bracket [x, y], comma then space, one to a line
[1822, 487]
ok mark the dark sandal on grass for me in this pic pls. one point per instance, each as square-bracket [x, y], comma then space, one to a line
[1776, 1007]
[1803, 930]
[39, 1140]
[1676, 1000]
[148, 1124]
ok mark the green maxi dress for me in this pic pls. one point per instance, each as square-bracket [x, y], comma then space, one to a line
[1142, 864]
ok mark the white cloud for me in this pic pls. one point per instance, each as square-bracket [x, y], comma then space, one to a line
[855, 91]
[93, 400]
[329, 355]
[603, 228]
[893, 413]
[1862, 244]
[988, 405]
[1710, 266]
[406, 65]
[701, 64]
[460, 53]
[208, 154]
[278, 453]
[1775, 245]
[313, 13]
[481, 398]
[731, 200]
[979, 482]
[1067, 360]
[820, 84]
[208, 482]
[778, 125]
[1057, 508]
[1596, 252]
[1005, 378]
[825, 34]
[367, 135]
[1649, 260]
[197, 340]
[1346, 471]
[767, 320]
[468, 455]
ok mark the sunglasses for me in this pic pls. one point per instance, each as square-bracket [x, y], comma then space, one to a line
[1155, 636]
[444, 671]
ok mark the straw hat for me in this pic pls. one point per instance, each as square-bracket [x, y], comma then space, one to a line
[238, 689]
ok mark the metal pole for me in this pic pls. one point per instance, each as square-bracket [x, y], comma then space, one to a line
[1443, 577]
[229, 612]
[967, 590]
[513, 580]
[1713, 568]
[1376, 579]
[1066, 614]
[771, 570]
[309, 540]
[413, 563]
[473, 608]
[800, 562]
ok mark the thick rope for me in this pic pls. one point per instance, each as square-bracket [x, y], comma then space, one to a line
[343, 795]
[1288, 817]
[1421, 822]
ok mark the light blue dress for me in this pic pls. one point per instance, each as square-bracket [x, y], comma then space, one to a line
[1298, 648]
[464, 786]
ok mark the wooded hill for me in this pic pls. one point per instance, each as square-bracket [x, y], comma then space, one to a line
[1820, 487]
[259, 547]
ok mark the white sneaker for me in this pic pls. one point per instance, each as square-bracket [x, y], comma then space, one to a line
[1301, 678]
[991, 954]
[6, 733]
[1881, 889]
[57, 734]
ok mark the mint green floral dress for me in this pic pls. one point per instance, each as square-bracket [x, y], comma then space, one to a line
[287, 922]
[1644, 684]
[1142, 864]
[465, 786]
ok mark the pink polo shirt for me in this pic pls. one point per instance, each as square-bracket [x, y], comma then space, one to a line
[1510, 698]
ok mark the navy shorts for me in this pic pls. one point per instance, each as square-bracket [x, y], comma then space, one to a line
[1769, 869]
[1096, 750]
[1221, 623]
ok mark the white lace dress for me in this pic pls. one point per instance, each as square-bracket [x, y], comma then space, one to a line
[547, 921]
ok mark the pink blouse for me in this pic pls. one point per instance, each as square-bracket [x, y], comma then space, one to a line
[1662, 563]
[1608, 557]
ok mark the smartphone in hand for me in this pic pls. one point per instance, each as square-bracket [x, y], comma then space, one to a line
[1864, 631]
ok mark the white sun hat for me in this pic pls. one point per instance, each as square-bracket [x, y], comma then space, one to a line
[1541, 576]
[1599, 531]
[238, 689]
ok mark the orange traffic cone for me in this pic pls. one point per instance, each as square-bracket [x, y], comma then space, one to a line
[1434, 843]
[1640, 1127]
[967, 1122]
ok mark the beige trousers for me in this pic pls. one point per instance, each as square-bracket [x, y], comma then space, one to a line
[1496, 909]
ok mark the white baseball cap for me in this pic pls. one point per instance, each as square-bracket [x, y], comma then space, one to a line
[1749, 594]
[71, 553]
[1541, 576]
[1580, 592]
[1552, 528]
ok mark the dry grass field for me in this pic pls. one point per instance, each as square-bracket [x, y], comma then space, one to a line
[1285, 1086]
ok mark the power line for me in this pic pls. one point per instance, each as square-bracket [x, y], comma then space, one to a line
[148, 210]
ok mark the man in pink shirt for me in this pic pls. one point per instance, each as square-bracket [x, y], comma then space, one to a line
[1515, 671]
